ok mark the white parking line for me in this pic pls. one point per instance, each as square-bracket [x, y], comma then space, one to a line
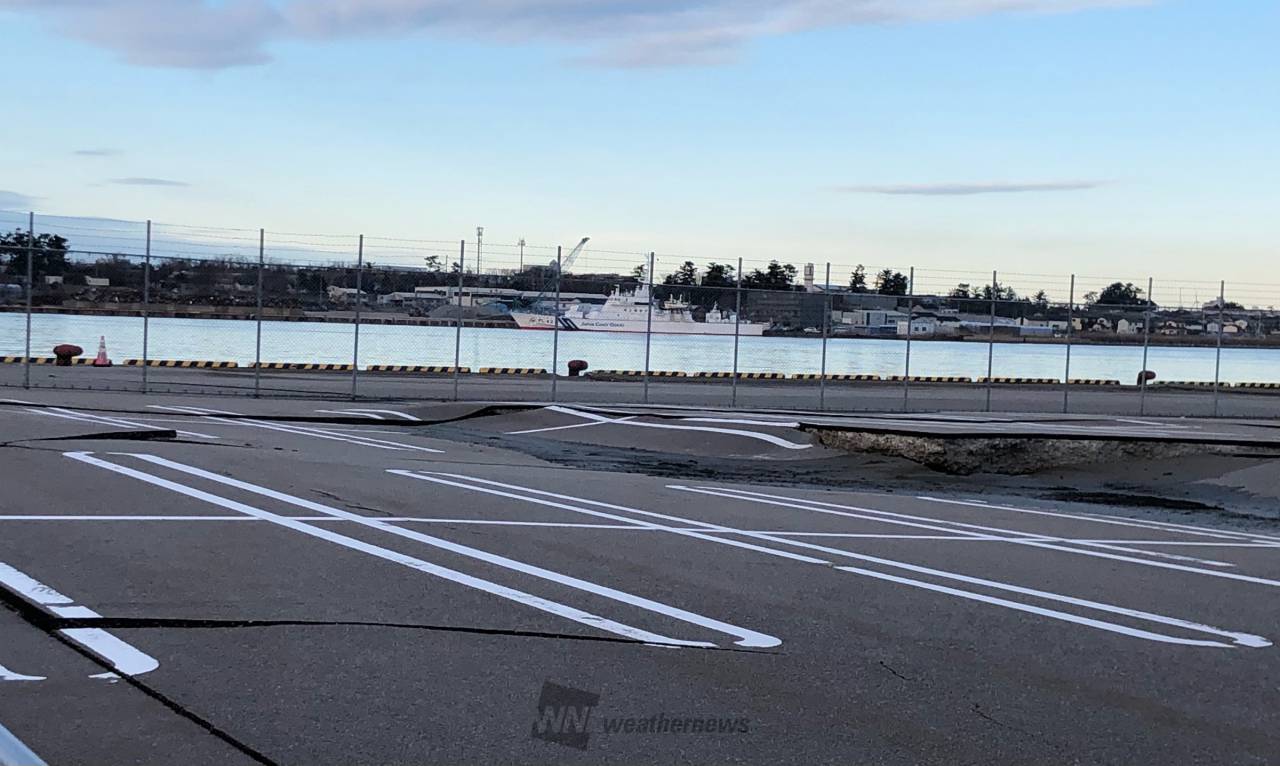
[1104, 519]
[14, 752]
[777, 441]
[927, 522]
[297, 430]
[588, 424]
[831, 508]
[369, 415]
[745, 637]
[125, 658]
[535, 496]
[376, 414]
[13, 675]
[953, 537]
[84, 417]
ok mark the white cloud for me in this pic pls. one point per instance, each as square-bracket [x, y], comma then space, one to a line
[10, 200]
[138, 181]
[217, 34]
[968, 189]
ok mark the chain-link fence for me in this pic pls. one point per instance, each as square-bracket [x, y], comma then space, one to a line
[267, 313]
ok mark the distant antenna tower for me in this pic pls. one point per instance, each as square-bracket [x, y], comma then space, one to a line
[479, 243]
[521, 243]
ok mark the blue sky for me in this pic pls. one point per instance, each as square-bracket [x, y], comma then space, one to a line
[1123, 138]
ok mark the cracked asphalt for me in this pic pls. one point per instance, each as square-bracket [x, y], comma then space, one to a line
[219, 581]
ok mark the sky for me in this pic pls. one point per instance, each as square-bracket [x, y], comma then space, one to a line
[1036, 137]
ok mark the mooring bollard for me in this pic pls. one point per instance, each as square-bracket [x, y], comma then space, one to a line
[65, 352]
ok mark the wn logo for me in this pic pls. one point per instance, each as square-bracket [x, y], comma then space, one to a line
[563, 715]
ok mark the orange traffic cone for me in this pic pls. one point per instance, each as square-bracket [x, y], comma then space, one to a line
[101, 360]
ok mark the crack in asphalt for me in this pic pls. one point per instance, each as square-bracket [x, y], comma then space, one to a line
[47, 624]
[190, 623]
[887, 667]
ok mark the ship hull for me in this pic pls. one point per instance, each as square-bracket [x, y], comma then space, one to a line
[590, 324]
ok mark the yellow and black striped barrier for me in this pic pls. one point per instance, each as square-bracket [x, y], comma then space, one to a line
[833, 376]
[1270, 386]
[932, 379]
[427, 368]
[744, 375]
[640, 373]
[302, 366]
[203, 365]
[512, 371]
[1021, 381]
[1093, 382]
[43, 360]
[1188, 383]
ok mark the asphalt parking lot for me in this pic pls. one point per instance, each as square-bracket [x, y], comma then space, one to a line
[226, 581]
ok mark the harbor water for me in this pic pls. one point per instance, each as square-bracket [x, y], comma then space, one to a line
[234, 340]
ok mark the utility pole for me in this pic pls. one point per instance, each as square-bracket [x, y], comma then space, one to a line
[521, 243]
[479, 244]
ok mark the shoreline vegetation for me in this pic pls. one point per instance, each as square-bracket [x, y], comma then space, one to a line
[276, 314]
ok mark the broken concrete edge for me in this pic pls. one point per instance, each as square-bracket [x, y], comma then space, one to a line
[1032, 435]
[1013, 455]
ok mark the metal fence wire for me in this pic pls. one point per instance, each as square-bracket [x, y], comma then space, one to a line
[264, 313]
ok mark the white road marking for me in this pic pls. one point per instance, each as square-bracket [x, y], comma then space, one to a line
[960, 528]
[297, 430]
[588, 424]
[13, 752]
[376, 413]
[769, 438]
[1202, 530]
[1051, 613]
[892, 518]
[954, 537]
[125, 658]
[511, 594]
[747, 638]
[13, 675]
[1174, 426]
[436, 478]
[1237, 638]
[327, 428]
[1104, 519]
[84, 417]
[369, 415]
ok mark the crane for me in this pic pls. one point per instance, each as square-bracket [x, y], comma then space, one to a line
[553, 271]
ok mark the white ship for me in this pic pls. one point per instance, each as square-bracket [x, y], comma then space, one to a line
[629, 312]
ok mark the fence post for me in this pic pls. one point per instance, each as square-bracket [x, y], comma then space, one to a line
[355, 343]
[906, 371]
[457, 332]
[826, 323]
[1071, 321]
[31, 257]
[146, 305]
[991, 338]
[737, 321]
[1146, 345]
[648, 331]
[555, 327]
[1217, 363]
[257, 352]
